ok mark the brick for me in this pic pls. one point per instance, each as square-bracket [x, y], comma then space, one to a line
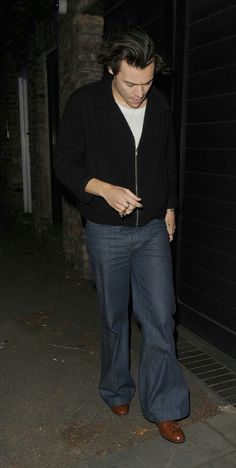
[78, 38]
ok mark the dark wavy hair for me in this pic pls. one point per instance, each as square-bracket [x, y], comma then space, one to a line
[134, 46]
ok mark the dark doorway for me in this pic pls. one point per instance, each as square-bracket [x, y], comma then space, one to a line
[165, 22]
[155, 17]
[53, 118]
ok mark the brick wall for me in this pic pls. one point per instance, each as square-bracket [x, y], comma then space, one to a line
[39, 133]
[79, 39]
[11, 180]
[11, 192]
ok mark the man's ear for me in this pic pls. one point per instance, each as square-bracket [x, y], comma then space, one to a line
[110, 71]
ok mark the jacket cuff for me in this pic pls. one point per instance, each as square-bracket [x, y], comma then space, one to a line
[85, 197]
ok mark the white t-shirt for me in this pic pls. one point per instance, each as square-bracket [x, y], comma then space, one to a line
[134, 118]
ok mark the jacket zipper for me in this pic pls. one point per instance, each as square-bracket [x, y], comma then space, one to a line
[136, 181]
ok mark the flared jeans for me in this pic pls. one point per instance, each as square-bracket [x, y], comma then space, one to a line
[137, 259]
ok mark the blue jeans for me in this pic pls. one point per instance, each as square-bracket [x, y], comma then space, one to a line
[140, 258]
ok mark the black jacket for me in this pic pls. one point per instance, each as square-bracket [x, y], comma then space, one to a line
[95, 140]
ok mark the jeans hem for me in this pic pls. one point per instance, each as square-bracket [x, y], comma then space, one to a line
[166, 417]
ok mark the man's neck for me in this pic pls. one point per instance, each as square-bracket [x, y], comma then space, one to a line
[121, 101]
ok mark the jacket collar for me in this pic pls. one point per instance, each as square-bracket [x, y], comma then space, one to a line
[104, 98]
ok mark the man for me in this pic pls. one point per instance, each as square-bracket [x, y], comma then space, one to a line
[116, 153]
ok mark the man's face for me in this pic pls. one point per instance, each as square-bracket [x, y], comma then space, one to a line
[131, 85]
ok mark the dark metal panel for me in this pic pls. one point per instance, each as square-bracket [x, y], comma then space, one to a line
[217, 213]
[212, 331]
[217, 310]
[214, 55]
[211, 161]
[213, 28]
[212, 109]
[210, 186]
[213, 82]
[211, 135]
[214, 285]
[210, 260]
[208, 235]
[201, 8]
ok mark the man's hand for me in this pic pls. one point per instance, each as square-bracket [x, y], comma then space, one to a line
[121, 199]
[170, 223]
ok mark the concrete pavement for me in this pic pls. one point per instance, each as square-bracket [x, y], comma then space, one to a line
[51, 413]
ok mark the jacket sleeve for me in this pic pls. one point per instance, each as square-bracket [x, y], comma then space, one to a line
[172, 167]
[70, 162]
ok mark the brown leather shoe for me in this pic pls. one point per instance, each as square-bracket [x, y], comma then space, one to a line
[171, 431]
[120, 410]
